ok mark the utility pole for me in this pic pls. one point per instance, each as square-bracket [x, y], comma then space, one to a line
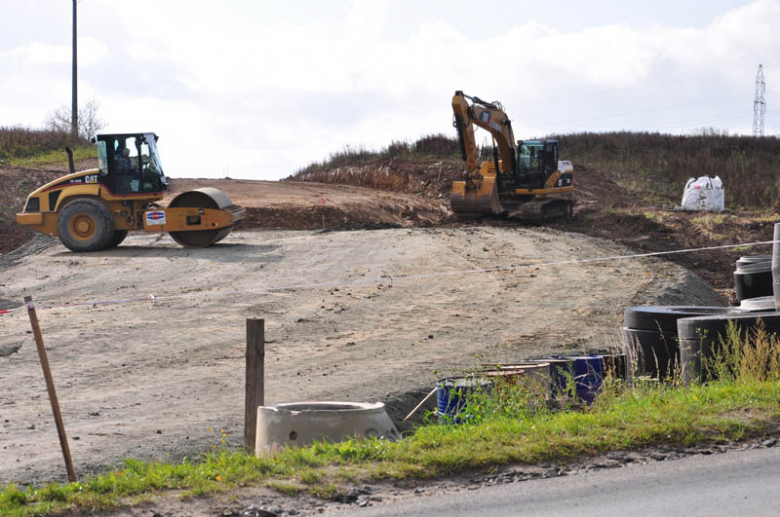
[74, 110]
[759, 103]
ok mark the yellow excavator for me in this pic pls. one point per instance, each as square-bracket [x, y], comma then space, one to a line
[94, 209]
[525, 179]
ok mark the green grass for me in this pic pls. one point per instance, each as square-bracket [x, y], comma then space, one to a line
[49, 157]
[631, 419]
[505, 427]
[28, 146]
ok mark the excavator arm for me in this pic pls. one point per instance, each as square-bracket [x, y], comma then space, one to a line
[491, 117]
[477, 193]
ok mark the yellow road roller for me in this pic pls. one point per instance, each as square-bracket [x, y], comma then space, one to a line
[94, 209]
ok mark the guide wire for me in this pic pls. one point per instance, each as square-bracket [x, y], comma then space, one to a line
[390, 280]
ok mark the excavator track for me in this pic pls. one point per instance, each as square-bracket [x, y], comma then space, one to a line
[539, 211]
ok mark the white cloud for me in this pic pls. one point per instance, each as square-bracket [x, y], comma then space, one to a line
[266, 94]
[38, 54]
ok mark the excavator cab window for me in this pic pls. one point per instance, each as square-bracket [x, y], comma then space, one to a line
[530, 164]
[550, 158]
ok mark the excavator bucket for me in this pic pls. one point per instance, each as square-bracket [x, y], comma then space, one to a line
[205, 198]
[480, 199]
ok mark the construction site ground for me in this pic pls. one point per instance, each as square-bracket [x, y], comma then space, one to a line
[379, 312]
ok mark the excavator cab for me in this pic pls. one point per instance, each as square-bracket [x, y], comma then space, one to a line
[129, 163]
[536, 161]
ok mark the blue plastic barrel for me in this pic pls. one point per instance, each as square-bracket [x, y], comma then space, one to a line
[561, 372]
[588, 374]
[452, 394]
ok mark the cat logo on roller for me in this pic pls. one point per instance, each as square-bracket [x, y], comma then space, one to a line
[527, 180]
[94, 209]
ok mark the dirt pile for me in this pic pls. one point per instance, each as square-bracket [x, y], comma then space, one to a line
[429, 177]
[15, 184]
[293, 205]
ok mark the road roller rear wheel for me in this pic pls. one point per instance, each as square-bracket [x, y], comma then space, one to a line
[201, 198]
[85, 225]
[116, 240]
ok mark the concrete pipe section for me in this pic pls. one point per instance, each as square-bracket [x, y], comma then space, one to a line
[753, 280]
[299, 424]
[761, 304]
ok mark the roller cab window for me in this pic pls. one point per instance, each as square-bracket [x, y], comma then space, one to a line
[130, 164]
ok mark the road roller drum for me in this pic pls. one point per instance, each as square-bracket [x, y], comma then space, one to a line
[204, 198]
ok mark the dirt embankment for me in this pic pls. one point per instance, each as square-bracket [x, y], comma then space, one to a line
[15, 184]
[607, 210]
[429, 177]
[294, 205]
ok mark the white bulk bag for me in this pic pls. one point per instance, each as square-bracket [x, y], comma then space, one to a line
[704, 194]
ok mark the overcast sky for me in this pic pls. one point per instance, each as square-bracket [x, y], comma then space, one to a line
[259, 89]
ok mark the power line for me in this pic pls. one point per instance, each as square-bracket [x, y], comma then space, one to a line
[650, 110]
[724, 116]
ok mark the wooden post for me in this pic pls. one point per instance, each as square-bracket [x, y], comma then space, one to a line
[55, 405]
[255, 379]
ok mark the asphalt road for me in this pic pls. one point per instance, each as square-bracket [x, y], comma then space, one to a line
[742, 482]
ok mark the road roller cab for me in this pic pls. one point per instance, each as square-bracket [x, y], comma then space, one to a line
[94, 209]
[129, 164]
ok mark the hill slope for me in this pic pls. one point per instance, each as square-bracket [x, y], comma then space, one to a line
[626, 184]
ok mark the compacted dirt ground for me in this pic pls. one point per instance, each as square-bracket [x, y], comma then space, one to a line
[359, 315]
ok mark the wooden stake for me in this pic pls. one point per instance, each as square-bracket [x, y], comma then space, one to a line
[255, 379]
[55, 405]
[418, 406]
